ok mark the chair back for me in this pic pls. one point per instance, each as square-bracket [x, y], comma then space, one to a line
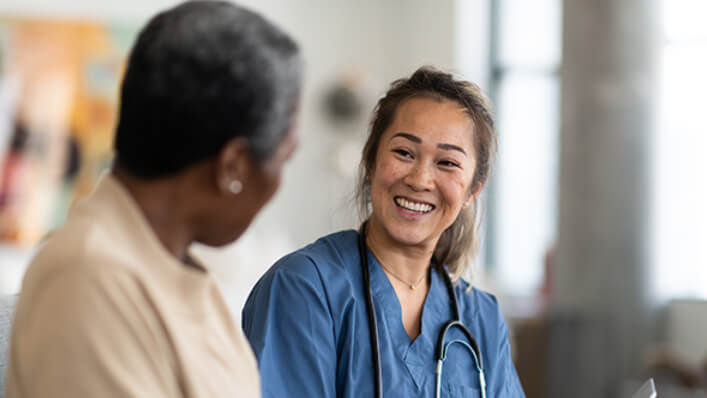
[7, 308]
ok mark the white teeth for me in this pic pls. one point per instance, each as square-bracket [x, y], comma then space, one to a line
[418, 207]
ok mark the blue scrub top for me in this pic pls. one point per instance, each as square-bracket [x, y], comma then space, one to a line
[307, 322]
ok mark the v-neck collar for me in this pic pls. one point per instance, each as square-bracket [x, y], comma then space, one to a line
[416, 354]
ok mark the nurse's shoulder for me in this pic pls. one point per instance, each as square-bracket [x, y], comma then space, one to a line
[481, 312]
[476, 305]
[317, 274]
[331, 255]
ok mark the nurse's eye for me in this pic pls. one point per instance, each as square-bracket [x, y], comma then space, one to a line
[448, 163]
[403, 153]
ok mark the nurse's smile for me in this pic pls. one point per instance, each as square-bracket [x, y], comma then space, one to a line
[413, 207]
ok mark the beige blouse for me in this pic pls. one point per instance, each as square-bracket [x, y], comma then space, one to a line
[106, 311]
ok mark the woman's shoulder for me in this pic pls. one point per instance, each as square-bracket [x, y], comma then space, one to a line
[307, 278]
[477, 303]
[336, 248]
[328, 256]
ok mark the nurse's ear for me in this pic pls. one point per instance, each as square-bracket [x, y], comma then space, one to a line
[473, 195]
[233, 166]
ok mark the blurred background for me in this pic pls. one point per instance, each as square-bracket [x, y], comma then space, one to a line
[595, 224]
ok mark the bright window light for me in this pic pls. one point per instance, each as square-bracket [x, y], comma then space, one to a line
[684, 20]
[680, 189]
[527, 179]
[530, 33]
[528, 49]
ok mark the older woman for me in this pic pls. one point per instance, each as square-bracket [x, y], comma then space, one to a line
[114, 305]
[362, 313]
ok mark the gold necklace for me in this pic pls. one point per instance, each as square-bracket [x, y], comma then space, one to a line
[412, 286]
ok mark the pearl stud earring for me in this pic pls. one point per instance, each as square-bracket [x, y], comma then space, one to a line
[235, 187]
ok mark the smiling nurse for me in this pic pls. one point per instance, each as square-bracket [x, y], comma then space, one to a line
[383, 311]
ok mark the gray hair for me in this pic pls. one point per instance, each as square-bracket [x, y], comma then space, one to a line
[199, 75]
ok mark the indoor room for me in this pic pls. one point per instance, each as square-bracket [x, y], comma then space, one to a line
[590, 224]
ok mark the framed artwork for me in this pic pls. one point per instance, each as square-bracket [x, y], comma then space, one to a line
[59, 83]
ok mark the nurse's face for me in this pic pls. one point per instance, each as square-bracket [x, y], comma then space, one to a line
[423, 172]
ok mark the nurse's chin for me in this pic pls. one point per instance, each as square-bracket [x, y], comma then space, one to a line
[412, 238]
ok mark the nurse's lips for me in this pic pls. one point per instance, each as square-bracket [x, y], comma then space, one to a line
[413, 206]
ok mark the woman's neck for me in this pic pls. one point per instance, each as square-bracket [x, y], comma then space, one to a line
[406, 262]
[160, 206]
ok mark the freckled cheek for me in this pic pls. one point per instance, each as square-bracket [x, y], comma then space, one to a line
[388, 172]
[454, 193]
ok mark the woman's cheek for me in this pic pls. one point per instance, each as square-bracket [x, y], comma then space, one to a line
[455, 193]
[389, 170]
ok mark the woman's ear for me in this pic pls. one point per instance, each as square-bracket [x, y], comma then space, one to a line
[473, 195]
[233, 163]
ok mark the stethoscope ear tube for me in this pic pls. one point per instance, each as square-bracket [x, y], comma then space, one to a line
[373, 323]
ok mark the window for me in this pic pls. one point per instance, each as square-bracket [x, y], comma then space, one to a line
[679, 249]
[526, 55]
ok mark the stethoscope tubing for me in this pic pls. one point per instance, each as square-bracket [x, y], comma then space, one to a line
[441, 349]
[373, 323]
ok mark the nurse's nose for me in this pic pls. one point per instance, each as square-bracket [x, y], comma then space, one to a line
[420, 178]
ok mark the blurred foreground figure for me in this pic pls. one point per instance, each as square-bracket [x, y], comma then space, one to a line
[114, 305]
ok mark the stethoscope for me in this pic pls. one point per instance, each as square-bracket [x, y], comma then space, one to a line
[441, 351]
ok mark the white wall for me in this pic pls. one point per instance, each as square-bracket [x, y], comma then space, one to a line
[380, 40]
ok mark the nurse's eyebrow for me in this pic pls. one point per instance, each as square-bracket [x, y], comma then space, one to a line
[409, 136]
[418, 140]
[450, 147]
